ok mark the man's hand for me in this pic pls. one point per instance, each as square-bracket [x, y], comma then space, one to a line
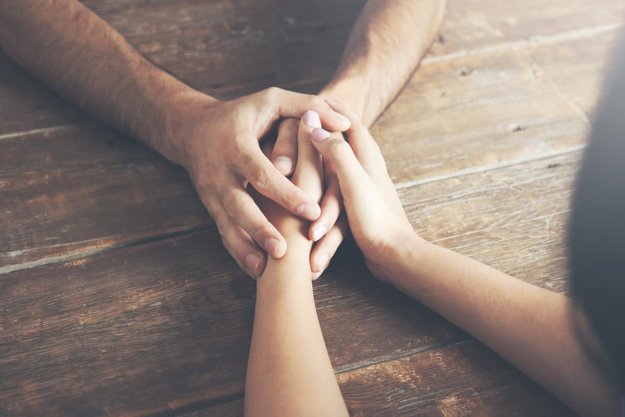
[219, 146]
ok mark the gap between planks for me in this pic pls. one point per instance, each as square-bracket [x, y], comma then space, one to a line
[532, 42]
[85, 253]
[200, 229]
[45, 130]
[337, 371]
[491, 167]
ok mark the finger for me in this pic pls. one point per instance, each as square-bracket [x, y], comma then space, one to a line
[354, 181]
[308, 174]
[238, 244]
[243, 249]
[325, 249]
[284, 152]
[244, 212]
[342, 109]
[365, 147]
[268, 181]
[331, 207]
[292, 104]
[367, 151]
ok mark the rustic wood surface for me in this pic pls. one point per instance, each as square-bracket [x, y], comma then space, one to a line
[117, 297]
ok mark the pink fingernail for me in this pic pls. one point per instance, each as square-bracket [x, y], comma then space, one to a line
[322, 263]
[252, 263]
[311, 119]
[284, 164]
[318, 232]
[319, 135]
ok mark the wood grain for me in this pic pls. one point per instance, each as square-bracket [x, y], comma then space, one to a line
[164, 327]
[418, 385]
[442, 123]
[83, 189]
[507, 105]
[228, 49]
[119, 300]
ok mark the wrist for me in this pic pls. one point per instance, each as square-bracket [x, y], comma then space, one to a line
[406, 257]
[294, 263]
[350, 92]
[178, 112]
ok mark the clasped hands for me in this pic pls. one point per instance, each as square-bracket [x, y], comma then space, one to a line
[220, 146]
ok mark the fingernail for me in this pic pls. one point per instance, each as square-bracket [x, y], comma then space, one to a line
[319, 135]
[274, 247]
[322, 262]
[311, 119]
[284, 164]
[309, 211]
[318, 232]
[252, 263]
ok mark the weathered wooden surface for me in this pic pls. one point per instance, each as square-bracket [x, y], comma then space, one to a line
[415, 134]
[170, 320]
[118, 298]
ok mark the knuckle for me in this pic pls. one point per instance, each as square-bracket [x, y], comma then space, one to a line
[288, 129]
[285, 143]
[222, 228]
[338, 148]
[260, 178]
[231, 201]
[205, 187]
[261, 231]
[315, 101]
[246, 163]
[273, 92]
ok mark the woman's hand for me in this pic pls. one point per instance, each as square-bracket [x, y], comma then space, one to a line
[375, 214]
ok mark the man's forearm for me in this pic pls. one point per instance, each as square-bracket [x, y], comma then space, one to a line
[84, 59]
[384, 49]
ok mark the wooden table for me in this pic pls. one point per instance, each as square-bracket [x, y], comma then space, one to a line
[117, 297]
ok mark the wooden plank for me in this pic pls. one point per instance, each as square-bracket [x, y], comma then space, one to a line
[463, 379]
[421, 385]
[82, 189]
[229, 409]
[166, 325]
[460, 124]
[482, 24]
[26, 105]
[503, 207]
[494, 108]
[228, 49]
[510, 107]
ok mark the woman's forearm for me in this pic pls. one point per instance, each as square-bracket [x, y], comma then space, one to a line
[289, 372]
[528, 326]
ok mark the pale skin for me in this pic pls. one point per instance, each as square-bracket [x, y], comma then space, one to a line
[101, 72]
[289, 371]
[538, 331]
